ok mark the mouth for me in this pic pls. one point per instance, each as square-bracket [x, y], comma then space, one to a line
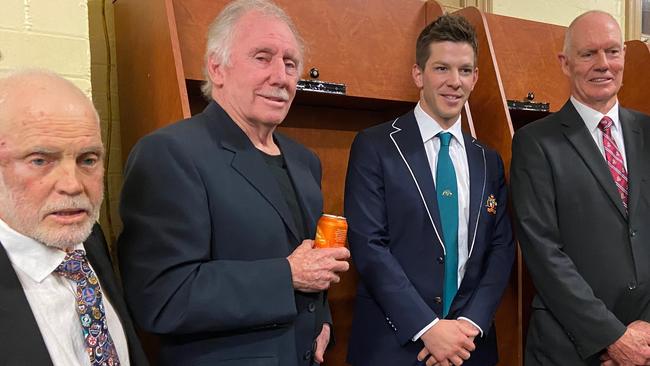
[68, 216]
[601, 80]
[452, 97]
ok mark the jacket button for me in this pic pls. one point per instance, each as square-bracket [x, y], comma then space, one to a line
[311, 307]
[632, 233]
[631, 286]
[437, 299]
[307, 355]
[441, 260]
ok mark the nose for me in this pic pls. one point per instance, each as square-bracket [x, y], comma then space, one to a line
[454, 79]
[278, 73]
[601, 63]
[68, 180]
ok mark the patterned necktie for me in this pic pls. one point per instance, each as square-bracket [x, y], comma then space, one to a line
[447, 192]
[614, 159]
[99, 344]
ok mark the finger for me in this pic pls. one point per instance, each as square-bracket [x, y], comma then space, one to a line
[468, 345]
[338, 253]
[423, 354]
[320, 350]
[307, 243]
[340, 266]
[464, 354]
[456, 361]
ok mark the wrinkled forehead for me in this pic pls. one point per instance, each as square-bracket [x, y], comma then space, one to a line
[595, 30]
[26, 104]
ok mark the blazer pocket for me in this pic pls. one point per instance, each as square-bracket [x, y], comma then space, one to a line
[248, 361]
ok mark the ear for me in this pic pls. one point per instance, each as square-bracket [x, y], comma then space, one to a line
[215, 71]
[564, 63]
[417, 75]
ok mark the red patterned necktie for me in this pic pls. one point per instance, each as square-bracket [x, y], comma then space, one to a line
[99, 344]
[614, 159]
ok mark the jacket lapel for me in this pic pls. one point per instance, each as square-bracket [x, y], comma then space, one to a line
[307, 188]
[577, 133]
[408, 141]
[22, 342]
[633, 138]
[477, 178]
[248, 162]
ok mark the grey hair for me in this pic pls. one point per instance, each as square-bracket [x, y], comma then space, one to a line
[568, 35]
[222, 29]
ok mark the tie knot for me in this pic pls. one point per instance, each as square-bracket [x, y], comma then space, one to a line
[445, 138]
[74, 266]
[605, 124]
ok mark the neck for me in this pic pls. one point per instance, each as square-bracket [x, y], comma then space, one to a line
[261, 136]
[602, 107]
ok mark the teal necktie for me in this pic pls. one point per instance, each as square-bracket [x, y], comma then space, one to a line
[447, 192]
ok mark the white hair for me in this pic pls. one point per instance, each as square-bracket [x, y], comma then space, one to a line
[222, 30]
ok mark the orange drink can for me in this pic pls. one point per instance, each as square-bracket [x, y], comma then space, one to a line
[331, 232]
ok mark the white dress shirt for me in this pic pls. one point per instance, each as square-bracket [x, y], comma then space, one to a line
[592, 117]
[52, 300]
[429, 128]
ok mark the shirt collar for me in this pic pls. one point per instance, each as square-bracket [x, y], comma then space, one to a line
[429, 127]
[35, 259]
[592, 117]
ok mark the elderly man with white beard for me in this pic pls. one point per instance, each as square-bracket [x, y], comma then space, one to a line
[59, 300]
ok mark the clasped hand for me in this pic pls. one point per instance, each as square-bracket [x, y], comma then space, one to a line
[448, 342]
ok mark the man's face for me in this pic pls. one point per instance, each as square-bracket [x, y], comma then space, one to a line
[447, 80]
[259, 83]
[51, 168]
[594, 61]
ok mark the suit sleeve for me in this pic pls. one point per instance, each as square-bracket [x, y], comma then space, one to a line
[172, 284]
[368, 236]
[498, 263]
[585, 318]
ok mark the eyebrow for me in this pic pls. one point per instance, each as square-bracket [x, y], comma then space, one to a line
[94, 149]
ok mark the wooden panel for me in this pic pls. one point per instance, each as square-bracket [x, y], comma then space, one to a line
[636, 78]
[367, 45]
[151, 91]
[526, 53]
[432, 12]
[489, 110]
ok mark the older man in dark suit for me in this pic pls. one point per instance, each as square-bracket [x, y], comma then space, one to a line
[59, 301]
[219, 212]
[582, 201]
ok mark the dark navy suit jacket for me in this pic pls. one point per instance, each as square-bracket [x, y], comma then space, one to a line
[206, 236]
[397, 246]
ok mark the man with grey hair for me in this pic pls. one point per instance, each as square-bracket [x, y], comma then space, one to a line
[59, 301]
[219, 212]
[581, 201]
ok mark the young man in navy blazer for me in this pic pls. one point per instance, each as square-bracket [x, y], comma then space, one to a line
[433, 260]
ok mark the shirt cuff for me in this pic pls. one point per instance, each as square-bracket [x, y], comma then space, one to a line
[471, 322]
[420, 333]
